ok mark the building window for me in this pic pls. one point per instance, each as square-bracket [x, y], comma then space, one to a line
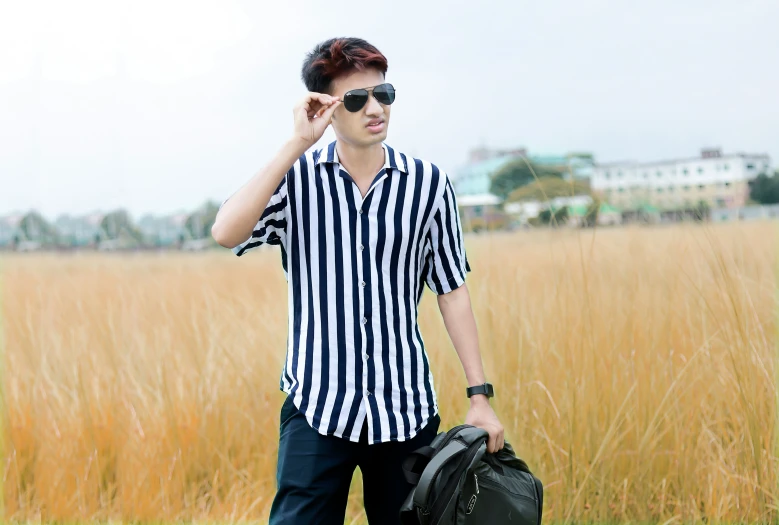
[686, 171]
[750, 166]
[646, 174]
[619, 173]
[659, 173]
[686, 188]
[727, 167]
[727, 185]
[700, 170]
[607, 175]
[700, 187]
[659, 190]
[622, 190]
[671, 189]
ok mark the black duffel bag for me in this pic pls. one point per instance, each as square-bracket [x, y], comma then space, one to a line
[458, 483]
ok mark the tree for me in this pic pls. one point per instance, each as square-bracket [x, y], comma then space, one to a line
[549, 187]
[591, 217]
[702, 211]
[765, 189]
[555, 218]
[516, 174]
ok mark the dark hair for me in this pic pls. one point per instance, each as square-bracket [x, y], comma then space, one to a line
[338, 56]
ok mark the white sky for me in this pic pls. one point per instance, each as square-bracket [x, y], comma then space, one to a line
[158, 105]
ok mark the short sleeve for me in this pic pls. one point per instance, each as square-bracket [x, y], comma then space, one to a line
[271, 228]
[447, 263]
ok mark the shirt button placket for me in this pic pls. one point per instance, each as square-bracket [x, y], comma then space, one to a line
[364, 267]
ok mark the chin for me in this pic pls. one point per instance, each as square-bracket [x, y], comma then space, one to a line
[376, 139]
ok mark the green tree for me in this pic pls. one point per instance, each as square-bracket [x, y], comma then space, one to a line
[516, 174]
[554, 218]
[591, 217]
[200, 221]
[765, 189]
[702, 211]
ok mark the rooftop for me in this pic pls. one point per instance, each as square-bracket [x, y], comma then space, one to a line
[706, 156]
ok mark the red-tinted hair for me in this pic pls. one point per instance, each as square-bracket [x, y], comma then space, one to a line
[336, 57]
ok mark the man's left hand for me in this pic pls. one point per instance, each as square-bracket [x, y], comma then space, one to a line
[481, 415]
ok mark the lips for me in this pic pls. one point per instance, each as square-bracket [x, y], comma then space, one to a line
[375, 125]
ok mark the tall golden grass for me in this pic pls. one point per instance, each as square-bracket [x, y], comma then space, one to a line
[635, 372]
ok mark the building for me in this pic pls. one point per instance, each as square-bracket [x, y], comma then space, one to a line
[167, 231]
[98, 230]
[80, 232]
[475, 177]
[481, 212]
[26, 232]
[722, 181]
[189, 231]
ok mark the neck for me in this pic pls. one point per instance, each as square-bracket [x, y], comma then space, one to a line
[361, 162]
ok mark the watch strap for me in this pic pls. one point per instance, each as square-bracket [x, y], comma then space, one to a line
[485, 389]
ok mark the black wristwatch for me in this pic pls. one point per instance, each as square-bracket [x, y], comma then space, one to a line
[485, 389]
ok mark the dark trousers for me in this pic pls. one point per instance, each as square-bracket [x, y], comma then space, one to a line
[314, 473]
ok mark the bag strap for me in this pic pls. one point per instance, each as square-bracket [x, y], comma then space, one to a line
[411, 465]
[426, 479]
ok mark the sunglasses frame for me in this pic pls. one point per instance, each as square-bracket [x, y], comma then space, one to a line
[368, 93]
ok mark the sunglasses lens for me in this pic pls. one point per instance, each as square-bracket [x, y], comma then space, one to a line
[355, 100]
[385, 93]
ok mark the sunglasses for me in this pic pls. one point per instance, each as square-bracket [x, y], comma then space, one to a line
[355, 99]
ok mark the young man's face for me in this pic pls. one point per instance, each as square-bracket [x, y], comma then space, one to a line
[367, 126]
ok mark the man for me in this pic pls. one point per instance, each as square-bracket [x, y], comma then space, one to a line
[362, 229]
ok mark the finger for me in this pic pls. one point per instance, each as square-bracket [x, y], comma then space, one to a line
[491, 442]
[319, 99]
[322, 110]
[327, 114]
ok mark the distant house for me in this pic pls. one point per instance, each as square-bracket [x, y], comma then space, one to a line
[98, 230]
[80, 232]
[164, 232]
[26, 232]
[607, 215]
[475, 177]
[183, 230]
[481, 212]
[720, 180]
[521, 212]
[10, 231]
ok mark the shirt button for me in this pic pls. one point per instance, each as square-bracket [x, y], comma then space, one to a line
[364, 320]
[362, 247]
[362, 284]
[360, 211]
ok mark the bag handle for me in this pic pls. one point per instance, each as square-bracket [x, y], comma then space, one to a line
[416, 462]
[426, 479]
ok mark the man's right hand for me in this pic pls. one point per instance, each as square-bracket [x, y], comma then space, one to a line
[312, 116]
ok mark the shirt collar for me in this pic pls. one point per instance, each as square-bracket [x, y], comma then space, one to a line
[392, 159]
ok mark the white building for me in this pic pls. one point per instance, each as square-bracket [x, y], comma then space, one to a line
[720, 180]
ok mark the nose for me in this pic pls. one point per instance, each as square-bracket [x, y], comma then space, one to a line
[373, 108]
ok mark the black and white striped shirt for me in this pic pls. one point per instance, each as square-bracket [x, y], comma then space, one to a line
[356, 269]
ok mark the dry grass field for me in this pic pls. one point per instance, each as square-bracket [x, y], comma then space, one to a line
[635, 372]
